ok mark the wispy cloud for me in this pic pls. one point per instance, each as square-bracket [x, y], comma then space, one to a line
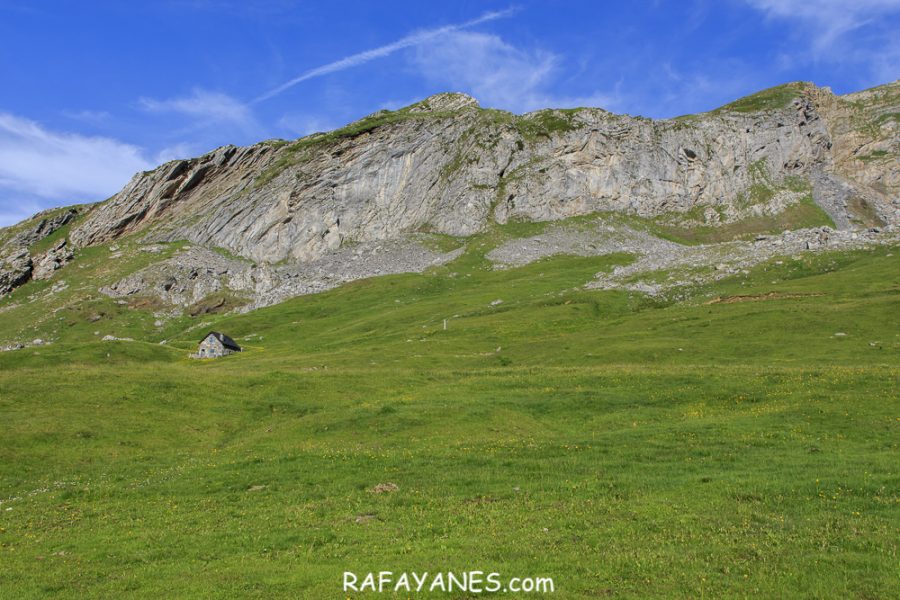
[180, 150]
[409, 41]
[667, 91]
[499, 74]
[300, 124]
[48, 164]
[858, 37]
[204, 105]
[830, 18]
[93, 117]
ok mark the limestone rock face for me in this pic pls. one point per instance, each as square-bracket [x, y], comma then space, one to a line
[445, 165]
[41, 226]
[15, 269]
[53, 259]
[865, 131]
[172, 189]
[648, 168]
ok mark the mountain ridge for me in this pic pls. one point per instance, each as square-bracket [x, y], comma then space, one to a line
[290, 217]
[357, 183]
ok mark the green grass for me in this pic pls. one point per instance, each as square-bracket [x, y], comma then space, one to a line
[530, 128]
[804, 213]
[546, 123]
[773, 98]
[874, 155]
[624, 447]
[293, 153]
[62, 233]
[440, 242]
[76, 313]
[229, 254]
[45, 244]
[7, 233]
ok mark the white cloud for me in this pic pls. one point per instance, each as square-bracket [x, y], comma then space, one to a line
[301, 125]
[414, 39]
[62, 167]
[93, 117]
[827, 20]
[204, 105]
[498, 74]
[180, 150]
[398, 104]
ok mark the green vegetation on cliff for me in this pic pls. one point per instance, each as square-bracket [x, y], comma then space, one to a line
[772, 98]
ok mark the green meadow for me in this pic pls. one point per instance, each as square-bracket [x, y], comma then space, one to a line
[740, 443]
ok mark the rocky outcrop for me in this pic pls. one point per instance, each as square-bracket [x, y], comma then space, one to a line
[15, 269]
[53, 259]
[184, 279]
[184, 189]
[448, 166]
[663, 267]
[17, 265]
[42, 225]
[651, 168]
[196, 273]
[864, 128]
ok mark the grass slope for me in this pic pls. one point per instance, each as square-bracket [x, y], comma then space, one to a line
[623, 447]
[773, 98]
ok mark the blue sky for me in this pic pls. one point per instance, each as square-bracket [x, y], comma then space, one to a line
[94, 91]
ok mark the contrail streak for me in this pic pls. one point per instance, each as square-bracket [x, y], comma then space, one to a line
[353, 60]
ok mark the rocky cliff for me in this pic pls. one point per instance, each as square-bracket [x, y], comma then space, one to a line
[446, 165]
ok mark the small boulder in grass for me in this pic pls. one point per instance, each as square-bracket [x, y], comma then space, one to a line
[385, 488]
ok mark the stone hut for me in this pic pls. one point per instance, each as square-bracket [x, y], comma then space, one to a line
[216, 345]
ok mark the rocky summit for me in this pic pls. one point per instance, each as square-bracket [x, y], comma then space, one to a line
[279, 219]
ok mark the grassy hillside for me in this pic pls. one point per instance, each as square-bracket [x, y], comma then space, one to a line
[772, 98]
[741, 443]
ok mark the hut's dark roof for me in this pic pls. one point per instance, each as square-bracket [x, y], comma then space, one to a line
[226, 341]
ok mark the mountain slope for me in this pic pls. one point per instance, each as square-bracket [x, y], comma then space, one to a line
[741, 442]
[403, 191]
[447, 166]
[674, 400]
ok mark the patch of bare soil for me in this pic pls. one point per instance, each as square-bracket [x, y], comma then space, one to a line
[385, 488]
